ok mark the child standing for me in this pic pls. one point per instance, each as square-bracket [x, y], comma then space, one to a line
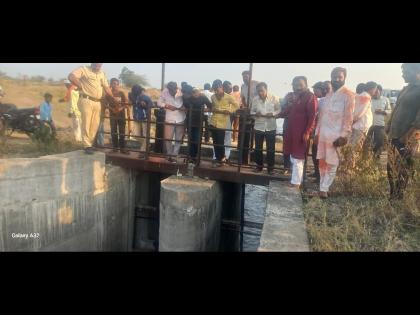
[46, 110]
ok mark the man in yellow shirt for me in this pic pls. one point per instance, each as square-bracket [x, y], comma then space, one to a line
[223, 105]
[91, 83]
[72, 97]
[2, 94]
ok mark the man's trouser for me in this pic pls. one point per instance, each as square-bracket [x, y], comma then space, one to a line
[399, 167]
[315, 160]
[169, 132]
[377, 137]
[297, 171]
[235, 127]
[140, 130]
[270, 140]
[286, 157]
[193, 137]
[218, 136]
[117, 122]
[77, 128]
[249, 124]
[100, 136]
[327, 175]
[228, 139]
[206, 128]
[160, 130]
[90, 113]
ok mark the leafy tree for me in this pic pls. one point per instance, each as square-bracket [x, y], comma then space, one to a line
[130, 78]
[38, 78]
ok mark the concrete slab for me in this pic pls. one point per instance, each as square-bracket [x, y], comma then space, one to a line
[284, 228]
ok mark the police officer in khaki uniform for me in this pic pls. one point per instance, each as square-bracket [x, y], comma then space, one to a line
[91, 82]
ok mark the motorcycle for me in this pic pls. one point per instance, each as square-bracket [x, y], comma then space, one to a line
[24, 120]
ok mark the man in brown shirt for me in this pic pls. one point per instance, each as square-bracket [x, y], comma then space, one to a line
[117, 116]
[91, 82]
[403, 131]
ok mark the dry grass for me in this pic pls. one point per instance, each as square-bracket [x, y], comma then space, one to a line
[20, 146]
[30, 94]
[359, 216]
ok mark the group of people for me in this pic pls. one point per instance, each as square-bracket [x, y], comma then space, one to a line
[216, 107]
[332, 115]
[340, 117]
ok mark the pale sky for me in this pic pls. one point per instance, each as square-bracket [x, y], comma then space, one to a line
[278, 76]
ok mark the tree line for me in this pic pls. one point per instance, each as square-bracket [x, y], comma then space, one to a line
[128, 78]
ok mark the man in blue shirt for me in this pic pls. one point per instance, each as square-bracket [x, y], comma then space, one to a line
[45, 111]
[141, 102]
[46, 108]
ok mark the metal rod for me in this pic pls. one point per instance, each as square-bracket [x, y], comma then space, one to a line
[249, 84]
[163, 77]
[242, 134]
[244, 120]
[149, 117]
[189, 132]
[200, 137]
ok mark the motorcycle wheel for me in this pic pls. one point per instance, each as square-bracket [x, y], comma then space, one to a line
[31, 124]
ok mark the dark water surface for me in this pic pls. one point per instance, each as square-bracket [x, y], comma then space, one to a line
[255, 204]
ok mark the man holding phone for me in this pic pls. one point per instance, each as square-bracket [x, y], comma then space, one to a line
[334, 128]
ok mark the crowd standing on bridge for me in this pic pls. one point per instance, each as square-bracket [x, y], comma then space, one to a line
[332, 116]
[141, 103]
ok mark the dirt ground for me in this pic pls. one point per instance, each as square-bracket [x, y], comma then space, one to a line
[27, 94]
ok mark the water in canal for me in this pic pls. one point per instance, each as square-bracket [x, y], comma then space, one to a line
[255, 204]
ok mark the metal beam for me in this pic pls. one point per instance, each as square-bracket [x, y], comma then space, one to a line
[251, 66]
[163, 77]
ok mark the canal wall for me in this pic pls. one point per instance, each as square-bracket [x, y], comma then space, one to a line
[65, 202]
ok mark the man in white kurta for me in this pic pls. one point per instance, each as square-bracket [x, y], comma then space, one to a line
[334, 128]
[362, 115]
[171, 100]
[362, 119]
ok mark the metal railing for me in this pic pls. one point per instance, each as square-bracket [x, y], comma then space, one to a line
[245, 127]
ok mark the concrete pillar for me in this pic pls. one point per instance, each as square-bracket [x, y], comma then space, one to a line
[190, 214]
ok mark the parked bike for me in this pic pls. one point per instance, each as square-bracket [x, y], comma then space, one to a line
[24, 120]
